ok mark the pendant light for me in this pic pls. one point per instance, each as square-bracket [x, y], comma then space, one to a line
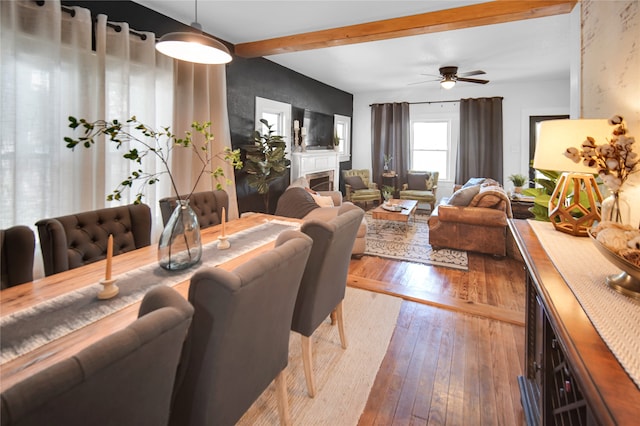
[194, 46]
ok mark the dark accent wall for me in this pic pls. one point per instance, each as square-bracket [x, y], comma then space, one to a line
[246, 79]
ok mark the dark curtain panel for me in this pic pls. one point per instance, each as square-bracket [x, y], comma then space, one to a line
[390, 136]
[480, 149]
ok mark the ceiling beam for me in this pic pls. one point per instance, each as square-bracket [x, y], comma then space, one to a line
[493, 12]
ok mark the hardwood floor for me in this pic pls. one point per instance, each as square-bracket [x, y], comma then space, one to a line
[458, 345]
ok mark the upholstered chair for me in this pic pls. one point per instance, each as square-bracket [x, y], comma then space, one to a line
[420, 186]
[325, 279]
[124, 379]
[68, 242]
[17, 245]
[207, 206]
[238, 342]
[359, 188]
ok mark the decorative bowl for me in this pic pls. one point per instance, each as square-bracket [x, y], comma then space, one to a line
[628, 281]
[392, 207]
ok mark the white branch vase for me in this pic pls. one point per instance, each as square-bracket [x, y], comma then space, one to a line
[180, 246]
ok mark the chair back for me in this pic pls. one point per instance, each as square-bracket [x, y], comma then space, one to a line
[71, 241]
[124, 379]
[17, 245]
[363, 173]
[325, 277]
[207, 206]
[239, 339]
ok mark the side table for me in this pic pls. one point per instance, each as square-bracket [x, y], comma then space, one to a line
[390, 179]
[520, 208]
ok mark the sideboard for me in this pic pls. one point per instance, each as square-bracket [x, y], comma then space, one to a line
[571, 377]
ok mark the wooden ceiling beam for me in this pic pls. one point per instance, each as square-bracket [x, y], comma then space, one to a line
[493, 12]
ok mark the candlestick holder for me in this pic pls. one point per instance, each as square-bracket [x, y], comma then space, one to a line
[223, 242]
[110, 289]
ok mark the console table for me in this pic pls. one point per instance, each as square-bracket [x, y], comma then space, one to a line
[571, 376]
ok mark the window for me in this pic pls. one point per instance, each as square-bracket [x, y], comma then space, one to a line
[277, 114]
[431, 146]
[343, 131]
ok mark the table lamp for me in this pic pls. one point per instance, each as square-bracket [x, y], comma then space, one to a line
[575, 203]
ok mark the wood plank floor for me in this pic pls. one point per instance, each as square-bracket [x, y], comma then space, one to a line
[458, 345]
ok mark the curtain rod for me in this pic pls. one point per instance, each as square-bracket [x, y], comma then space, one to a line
[427, 102]
[116, 27]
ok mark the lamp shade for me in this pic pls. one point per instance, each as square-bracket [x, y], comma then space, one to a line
[555, 136]
[193, 47]
[447, 83]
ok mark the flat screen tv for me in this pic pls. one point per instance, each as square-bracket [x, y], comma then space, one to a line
[319, 129]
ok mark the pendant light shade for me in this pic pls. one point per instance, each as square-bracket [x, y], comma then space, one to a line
[194, 46]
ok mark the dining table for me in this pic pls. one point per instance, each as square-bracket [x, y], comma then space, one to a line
[28, 296]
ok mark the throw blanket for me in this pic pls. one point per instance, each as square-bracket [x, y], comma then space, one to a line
[295, 202]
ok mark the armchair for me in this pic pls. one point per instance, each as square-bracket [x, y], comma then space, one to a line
[359, 188]
[420, 186]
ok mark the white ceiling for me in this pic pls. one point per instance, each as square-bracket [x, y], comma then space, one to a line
[533, 49]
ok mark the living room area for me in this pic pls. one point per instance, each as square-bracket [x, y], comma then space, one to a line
[438, 317]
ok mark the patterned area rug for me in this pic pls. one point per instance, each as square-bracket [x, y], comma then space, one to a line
[409, 242]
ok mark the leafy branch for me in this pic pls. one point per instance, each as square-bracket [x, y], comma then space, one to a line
[159, 143]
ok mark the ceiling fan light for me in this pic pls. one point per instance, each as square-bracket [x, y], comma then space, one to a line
[193, 47]
[447, 83]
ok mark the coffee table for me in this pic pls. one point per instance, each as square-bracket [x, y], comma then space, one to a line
[408, 208]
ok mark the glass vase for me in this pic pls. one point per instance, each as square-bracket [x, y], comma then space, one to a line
[615, 209]
[180, 246]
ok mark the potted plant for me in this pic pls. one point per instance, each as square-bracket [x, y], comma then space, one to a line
[387, 192]
[179, 245]
[518, 181]
[265, 161]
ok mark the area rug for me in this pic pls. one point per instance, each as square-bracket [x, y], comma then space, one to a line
[409, 242]
[343, 377]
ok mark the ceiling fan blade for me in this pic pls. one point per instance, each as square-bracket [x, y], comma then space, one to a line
[431, 75]
[470, 73]
[473, 80]
[422, 82]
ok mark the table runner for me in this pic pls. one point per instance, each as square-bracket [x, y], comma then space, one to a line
[616, 317]
[28, 329]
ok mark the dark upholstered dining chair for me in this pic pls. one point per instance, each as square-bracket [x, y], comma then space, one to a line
[238, 342]
[325, 279]
[71, 241]
[17, 245]
[207, 206]
[124, 379]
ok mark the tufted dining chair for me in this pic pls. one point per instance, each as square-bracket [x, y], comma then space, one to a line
[207, 206]
[17, 245]
[123, 379]
[325, 279]
[71, 241]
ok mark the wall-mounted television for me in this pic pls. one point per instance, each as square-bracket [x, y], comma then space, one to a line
[319, 129]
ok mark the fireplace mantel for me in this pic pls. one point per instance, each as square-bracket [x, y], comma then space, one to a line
[305, 163]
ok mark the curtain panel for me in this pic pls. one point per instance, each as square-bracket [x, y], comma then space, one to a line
[390, 135]
[480, 149]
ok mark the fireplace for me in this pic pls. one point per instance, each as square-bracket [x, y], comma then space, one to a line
[320, 168]
[321, 181]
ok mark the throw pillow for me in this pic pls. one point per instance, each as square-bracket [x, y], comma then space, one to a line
[301, 182]
[418, 181]
[295, 202]
[355, 182]
[323, 201]
[473, 182]
[463, 196]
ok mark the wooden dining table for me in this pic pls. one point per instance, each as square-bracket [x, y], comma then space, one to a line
[30, 294]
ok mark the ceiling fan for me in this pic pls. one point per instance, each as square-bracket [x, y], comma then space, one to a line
[449, 76]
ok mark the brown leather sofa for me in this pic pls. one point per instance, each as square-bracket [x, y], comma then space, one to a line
[479, 225]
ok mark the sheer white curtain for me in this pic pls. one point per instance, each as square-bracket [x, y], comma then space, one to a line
[48, 71]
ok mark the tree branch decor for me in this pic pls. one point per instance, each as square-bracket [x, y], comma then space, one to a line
[159, 143]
